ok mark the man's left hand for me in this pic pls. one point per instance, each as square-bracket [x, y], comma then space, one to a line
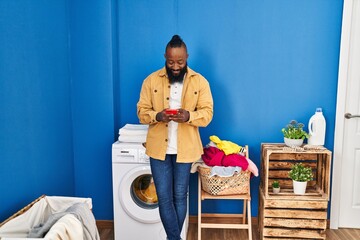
[181, 116]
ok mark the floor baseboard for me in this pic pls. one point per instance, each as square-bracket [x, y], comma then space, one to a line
[105, 224]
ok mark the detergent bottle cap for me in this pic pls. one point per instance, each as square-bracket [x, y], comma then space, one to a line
[318, 109]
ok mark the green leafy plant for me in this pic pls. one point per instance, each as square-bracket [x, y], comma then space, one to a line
[275, 184]
[301, 173]
[294, 130]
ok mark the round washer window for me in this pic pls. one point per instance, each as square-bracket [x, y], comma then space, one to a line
[143, 192]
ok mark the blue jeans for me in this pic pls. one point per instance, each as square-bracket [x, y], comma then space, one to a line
[172, 183]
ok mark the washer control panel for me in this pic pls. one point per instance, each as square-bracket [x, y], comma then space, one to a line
[143, 157]
[129, 153]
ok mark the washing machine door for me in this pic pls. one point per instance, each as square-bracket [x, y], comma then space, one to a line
[137, 195]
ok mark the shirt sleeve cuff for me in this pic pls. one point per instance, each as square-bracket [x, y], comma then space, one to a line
[153, 118]
[190, 118]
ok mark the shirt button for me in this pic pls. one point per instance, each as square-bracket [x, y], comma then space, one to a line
[166, 140]
[167, 98]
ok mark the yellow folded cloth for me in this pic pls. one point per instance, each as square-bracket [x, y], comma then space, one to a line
[227, 147]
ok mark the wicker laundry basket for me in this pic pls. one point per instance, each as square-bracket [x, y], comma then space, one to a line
[19, 224]
[21, 211]
[239, 183]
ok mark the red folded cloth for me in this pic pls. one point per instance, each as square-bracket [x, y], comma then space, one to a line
[215, 157]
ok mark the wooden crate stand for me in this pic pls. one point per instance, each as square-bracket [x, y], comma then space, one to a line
[287, 215]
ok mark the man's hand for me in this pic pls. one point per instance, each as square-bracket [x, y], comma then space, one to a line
[181, 116]
[163, 117]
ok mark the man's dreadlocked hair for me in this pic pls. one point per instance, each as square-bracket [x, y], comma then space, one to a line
[176, 42]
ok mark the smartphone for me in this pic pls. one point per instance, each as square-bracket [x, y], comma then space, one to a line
[171, 111]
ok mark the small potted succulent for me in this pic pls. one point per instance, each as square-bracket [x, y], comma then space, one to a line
[276, 186]
[294, 134]
[300, 175]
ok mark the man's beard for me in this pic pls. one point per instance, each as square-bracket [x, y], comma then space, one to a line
[179, 78]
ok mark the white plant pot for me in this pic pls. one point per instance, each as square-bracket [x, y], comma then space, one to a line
[299, 187]
[293, 142]
[276, 190]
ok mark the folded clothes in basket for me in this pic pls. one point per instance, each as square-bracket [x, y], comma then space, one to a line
[66, 228]
[224, 171]
[198, 163]
[215, 157]
[227, 147]
[40, 210]
[80, 211]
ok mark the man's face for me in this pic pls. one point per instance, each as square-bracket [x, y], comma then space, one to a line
[176, 62]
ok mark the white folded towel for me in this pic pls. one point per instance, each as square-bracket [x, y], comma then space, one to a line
[134, 129]
[132, 139]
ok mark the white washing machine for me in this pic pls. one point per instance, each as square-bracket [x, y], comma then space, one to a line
[136, 212]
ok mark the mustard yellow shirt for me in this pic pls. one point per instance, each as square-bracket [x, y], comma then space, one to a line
[196, 98]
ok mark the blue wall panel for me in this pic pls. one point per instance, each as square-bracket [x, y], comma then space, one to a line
[92, 101]
[144, 29]
[36, 153]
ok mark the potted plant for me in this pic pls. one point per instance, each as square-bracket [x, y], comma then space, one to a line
[276, 187]
[294, 134]
[300, 175]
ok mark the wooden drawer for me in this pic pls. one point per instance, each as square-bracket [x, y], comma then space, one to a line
[291, 218]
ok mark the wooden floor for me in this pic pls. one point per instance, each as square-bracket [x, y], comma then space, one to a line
[107, 233]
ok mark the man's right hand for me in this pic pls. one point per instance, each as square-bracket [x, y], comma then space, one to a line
[163, 117]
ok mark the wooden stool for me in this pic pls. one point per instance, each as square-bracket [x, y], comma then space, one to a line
[202, 195]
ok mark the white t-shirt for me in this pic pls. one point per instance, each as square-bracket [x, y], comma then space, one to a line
[175, 103]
